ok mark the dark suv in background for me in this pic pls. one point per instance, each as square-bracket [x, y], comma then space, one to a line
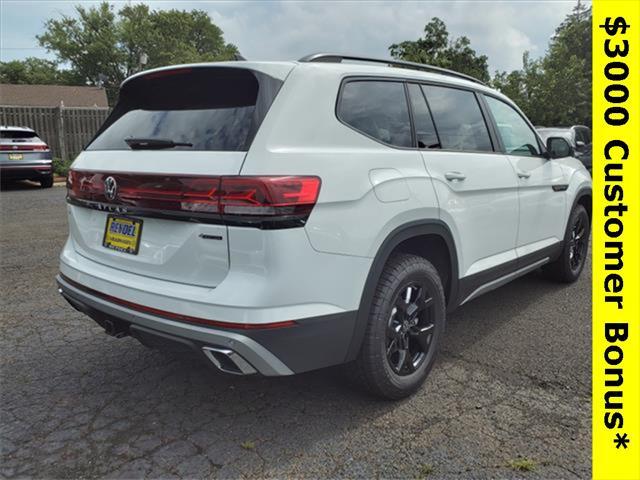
[579, 138]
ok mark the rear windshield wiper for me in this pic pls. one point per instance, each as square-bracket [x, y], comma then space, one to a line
[154, 143]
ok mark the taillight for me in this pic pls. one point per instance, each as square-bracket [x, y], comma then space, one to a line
[24, 148]
[268, 195]
[165, 73]
[263, 202]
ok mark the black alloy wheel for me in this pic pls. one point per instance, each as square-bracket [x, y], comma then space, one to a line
[566, 268]
[578, 244]
[404, 326]
[410, 328]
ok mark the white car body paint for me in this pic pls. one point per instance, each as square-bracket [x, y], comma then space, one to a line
[369, 190]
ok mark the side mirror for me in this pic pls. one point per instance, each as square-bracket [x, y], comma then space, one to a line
[580, 144]
[558, 147]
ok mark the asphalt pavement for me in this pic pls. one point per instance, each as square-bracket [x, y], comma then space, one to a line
[510, 395]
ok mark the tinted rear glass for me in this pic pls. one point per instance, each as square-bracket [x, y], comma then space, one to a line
[583, 134]
[378, 109]
[17, 134]
[211, 108]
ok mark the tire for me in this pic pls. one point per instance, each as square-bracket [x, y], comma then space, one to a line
[380, 366]
[568, 266]
[46, 182]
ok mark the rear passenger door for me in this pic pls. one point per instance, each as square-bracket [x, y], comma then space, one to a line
[541, 181]
[476, 186]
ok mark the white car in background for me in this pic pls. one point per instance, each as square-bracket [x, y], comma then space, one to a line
[578, 136]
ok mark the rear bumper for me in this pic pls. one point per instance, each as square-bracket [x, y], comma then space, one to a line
[310, 344]
[25, 171]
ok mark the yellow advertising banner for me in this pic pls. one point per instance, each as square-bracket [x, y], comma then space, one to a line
[616, 239]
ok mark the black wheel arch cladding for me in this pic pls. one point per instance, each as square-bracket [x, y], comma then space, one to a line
[436, 228]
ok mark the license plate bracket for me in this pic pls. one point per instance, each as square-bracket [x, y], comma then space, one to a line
[122, 234]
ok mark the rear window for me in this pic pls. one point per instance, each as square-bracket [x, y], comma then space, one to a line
[583, 134]
[215, 108]
[17, 134]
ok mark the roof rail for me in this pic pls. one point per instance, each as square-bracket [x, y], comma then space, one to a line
[337, 58]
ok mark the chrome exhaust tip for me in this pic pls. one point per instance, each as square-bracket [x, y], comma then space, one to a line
[228, 361]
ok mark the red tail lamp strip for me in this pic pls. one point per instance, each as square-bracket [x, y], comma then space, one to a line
[177, 316]
[162, 192]
[263, 201]
[24, 148]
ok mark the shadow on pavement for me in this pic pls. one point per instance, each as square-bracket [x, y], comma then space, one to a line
[19, 185]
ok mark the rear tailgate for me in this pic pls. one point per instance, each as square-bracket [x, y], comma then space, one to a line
[182, 251]
[216, 110]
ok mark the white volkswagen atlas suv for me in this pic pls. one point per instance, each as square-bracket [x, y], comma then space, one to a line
[280, 217]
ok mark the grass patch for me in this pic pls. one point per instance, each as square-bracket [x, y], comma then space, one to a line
[425, 470]
[61, 167]
[248, 445]
[522, 465]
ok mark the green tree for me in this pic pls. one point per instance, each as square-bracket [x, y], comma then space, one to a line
[436, 48]
[567, 67]
[525, 87]
[556, 89]
[104, 46]
[36, 71]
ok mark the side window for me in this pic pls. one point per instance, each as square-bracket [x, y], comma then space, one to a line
[378, 109]
[426, 135]
[458, 119]
[518, 138]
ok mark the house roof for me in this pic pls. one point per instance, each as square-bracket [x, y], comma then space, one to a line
[52, 95]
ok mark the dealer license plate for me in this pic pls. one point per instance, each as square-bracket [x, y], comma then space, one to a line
[122, 234]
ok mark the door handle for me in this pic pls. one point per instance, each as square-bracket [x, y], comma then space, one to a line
[451, 176]
[522, 174]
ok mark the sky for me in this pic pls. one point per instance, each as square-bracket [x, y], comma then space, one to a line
[287, 30]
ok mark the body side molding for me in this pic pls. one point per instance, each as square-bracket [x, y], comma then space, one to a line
[475, 285]
[498, 282]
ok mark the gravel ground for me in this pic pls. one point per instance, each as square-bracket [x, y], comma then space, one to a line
[510, 395]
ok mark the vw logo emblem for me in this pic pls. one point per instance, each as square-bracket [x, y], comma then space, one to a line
[110, 188]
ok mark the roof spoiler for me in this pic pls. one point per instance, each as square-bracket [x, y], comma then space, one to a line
[337, 58]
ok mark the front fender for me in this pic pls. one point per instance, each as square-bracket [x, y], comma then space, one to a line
[580, 186]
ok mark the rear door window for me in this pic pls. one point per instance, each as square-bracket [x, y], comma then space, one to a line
[216, 109]
[458, 119]
[378, 109]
